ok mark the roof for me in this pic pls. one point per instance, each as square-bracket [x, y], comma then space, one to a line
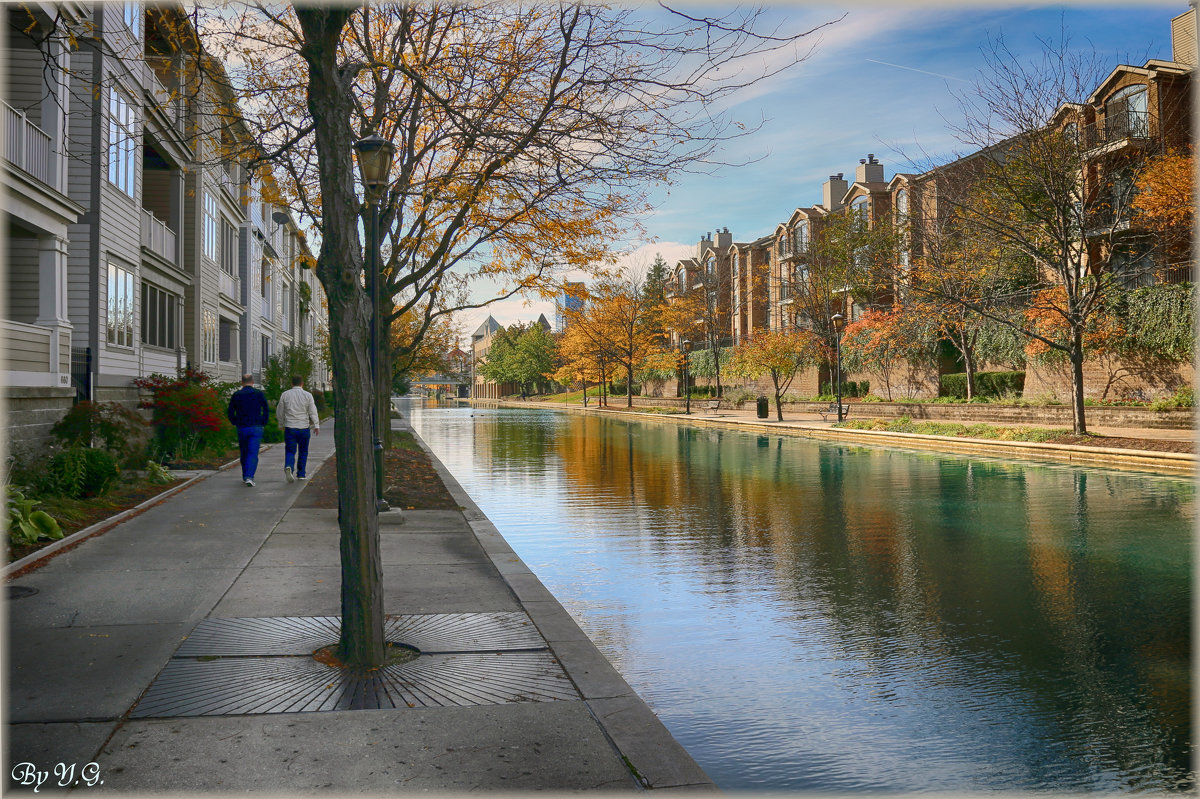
[489, 325]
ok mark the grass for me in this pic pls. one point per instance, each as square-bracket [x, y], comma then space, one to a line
[954, 429]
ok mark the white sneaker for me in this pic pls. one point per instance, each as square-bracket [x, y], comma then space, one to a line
[250, 483]
[302, 477]
[287, 473]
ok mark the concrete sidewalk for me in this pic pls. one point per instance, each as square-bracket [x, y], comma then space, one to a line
[108, 665]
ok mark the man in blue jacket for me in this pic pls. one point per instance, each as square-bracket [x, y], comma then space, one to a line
[248, 413]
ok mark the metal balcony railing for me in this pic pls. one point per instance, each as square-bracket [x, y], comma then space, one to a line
[1117, 127]
[26, 146]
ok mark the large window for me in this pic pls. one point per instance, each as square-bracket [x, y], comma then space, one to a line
[122, 142]
[902, 206]
[229, 248]
[160, 314]
[859, 210]
[1125, 114]
[210, 336]
[133, 18]
[120, 305]
[800, 237]
[211, 230]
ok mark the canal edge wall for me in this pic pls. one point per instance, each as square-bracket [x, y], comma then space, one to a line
[639, 737]
[1165, 463]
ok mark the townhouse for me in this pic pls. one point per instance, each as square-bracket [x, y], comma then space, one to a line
[135, 244]
[1133, 113]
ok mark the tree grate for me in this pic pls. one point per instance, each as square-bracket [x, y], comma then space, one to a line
[265, 665]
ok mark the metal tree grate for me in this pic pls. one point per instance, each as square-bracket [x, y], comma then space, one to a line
[265, 665]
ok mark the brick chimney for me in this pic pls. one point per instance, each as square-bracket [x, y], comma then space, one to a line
[724, 240]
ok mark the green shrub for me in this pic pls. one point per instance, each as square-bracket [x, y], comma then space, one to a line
[26, 525]
[110, 425]
[79, 472]
[1184, 397]
[987, 384]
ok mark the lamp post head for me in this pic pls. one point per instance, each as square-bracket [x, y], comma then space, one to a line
[375, 155]
[837, 320]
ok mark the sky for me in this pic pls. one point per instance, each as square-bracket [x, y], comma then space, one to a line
[881, 81]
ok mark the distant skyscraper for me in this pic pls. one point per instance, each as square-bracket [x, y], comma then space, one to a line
[566, 302]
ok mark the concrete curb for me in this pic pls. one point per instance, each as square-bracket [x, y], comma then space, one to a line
[1167, 463]
[649, 750]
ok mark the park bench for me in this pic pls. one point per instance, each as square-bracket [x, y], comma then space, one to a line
[712, 405]
[832, 411]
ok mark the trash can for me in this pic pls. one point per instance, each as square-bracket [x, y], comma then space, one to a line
[763, 408]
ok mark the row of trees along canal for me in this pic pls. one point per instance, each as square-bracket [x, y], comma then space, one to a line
[1020, 257]
[526, 139]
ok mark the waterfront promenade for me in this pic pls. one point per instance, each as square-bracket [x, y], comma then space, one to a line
[813, 425]
[172, 652]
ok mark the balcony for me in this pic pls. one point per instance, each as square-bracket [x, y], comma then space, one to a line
[26, 146]
[1116, 129]
[157, 237]
[230, 286]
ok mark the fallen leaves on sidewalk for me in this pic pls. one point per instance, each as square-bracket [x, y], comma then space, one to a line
[409, 479]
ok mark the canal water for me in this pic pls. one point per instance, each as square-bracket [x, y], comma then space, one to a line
[807, 616]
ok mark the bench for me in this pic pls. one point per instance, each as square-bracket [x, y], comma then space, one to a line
[832, 411]
[712, 405]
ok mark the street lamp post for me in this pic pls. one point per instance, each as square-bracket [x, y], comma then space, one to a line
[837, 346]
[687, 375]
[374, 164]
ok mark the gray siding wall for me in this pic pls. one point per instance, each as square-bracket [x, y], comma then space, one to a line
[22, 267]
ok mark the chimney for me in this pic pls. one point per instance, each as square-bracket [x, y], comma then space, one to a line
[705, 243]
[1183, 38]
[724, 240]
[833, 192]
[869, 170]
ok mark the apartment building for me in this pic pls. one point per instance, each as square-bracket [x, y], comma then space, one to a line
[135, 246]
[750, 268]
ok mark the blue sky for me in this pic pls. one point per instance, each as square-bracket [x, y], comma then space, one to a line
[880, 81]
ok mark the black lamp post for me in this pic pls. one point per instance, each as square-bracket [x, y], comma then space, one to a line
[837, 346]
[687, 375]
[374, 165]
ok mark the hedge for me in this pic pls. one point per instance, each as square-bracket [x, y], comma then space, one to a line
[987, 384]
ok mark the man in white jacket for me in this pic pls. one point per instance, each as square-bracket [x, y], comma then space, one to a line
[297, 415]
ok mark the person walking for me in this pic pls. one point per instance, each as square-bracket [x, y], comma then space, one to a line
[248, 411]
[297, 415]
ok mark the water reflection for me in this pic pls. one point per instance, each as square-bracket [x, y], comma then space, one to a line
[817, 617]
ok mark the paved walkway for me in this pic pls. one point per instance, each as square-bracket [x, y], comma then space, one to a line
[93, 651]
[814, 420]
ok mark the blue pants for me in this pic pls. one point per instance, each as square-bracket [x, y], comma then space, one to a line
[249, 439]
[295, 448]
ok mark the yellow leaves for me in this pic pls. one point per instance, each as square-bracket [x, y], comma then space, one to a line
[1166, 192]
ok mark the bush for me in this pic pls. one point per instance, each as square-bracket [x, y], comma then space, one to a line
[26, 525]
[1184, 397]
[79, 472]
[187, 414]
[987, 384]
[111, 425]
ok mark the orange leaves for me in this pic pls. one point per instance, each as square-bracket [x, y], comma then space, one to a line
[781, 353]
[1166, 189]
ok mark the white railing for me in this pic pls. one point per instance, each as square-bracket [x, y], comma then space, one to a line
[230, 286]
[157, 237]
[26, 145]
[163, 98]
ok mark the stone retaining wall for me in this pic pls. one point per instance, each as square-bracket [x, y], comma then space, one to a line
[31, 412]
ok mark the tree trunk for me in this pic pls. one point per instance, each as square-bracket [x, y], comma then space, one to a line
[339, 267]
[778, 397]
[1077, 407]
[969, 366]
[629, 385]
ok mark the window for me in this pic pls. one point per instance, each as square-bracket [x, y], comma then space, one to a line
[800, 236]
[1125, 114]
[859, 209]
[285, 320]
[225, 331]
[265, 350]
[902, 205]
[159, 316]
[120, 306]
[133, 18]
[211, 220]
[122, 142]
[264, 283]
[210, 336]
[229, 248]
